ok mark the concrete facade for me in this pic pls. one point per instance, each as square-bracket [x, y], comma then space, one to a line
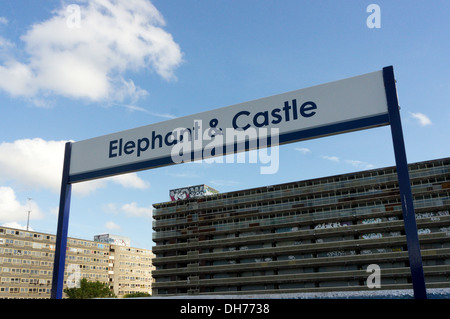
[26, 264]
[306, 236]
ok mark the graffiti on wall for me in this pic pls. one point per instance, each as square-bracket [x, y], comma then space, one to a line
[191, 192]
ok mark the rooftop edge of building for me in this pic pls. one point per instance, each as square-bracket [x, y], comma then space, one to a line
[281, 185]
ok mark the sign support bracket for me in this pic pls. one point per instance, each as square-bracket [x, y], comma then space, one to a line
[409, 218]
[63, 226]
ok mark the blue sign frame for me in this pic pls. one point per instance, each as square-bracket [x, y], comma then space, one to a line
[392, 118]
[409, 218]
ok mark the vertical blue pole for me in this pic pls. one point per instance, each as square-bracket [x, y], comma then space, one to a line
[63, 225]
[409, 218]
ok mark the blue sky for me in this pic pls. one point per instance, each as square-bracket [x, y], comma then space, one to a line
[115, 65]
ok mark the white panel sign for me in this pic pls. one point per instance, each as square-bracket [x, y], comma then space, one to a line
[354, 103]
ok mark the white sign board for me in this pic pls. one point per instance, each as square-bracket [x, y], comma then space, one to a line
[336, 107]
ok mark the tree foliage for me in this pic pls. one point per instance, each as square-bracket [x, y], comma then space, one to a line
[89, 289]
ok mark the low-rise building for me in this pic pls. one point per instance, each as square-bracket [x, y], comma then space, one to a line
[27, 257]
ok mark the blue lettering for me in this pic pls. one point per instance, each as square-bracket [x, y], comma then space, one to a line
[140, 148]
[189, 135]
[286, 109]
[235, 126]
[154, 137]
[196, 129]
[265, 119]
[240, 121]
[174, 139]
[275, 114]
[112, 148]
[294, 108]
[305, 108]
[261, 119]
[129, 147]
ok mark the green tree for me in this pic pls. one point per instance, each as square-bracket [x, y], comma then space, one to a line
[89, 289]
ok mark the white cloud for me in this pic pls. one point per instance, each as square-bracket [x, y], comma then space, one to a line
[16, 225]
[132, 209]
[110, 208]
[133, 108]
[37, 164]
[222, 182]
[32, 163]
[354, 163]
[89, 59]
[86, 188]
[303, 150]
[16, 78]
[54, 211]
[3, 20]
[330, 158]
[110, 225]
[360, 164]
[5, 45]
[12, 211]
[421, 118]
[130, 180]
[184, 174]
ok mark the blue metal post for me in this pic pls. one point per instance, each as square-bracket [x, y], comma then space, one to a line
[63, 225]
[409, 218]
